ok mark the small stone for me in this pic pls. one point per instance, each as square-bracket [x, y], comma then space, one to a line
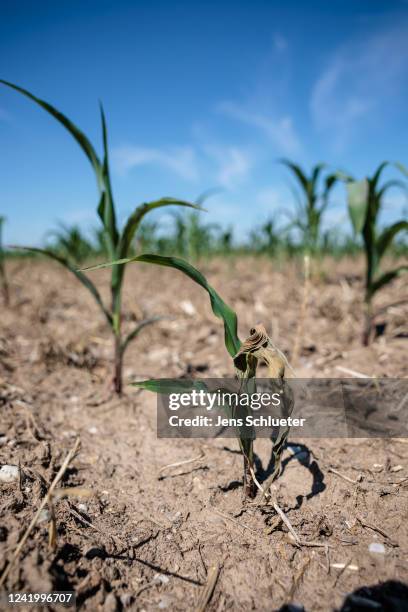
[93, 430]
[83, 508]
[126, 600]
[3, 440]
[111, 603]
[9, 473]
[161, 579]
[188, 308]
[396, 468]
[377, 548]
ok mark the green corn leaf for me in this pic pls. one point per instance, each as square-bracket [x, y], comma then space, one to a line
[138, 214]
[219, 307]
[78, 273]
[401, 168]
[386, 278]
[343, 176]
[357, 203]
[106, 209]
[170, 385]
[315, 174]
[376, 177]
[79, 136]
[388, 234]
[136, 331]
[330, 181]
[298, 173]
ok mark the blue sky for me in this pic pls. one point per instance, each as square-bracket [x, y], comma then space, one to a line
[197, 95]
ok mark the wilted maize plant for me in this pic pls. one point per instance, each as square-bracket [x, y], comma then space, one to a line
[3, 276]
[246, 356]
[118, 243]
[365, 200]
[311, 203]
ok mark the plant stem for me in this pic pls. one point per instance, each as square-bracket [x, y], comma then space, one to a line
[247, 447]
[4, 285]
[118, 348]
[118, 365]
[368, 322]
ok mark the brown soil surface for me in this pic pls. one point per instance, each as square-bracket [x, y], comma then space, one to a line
[147, 540]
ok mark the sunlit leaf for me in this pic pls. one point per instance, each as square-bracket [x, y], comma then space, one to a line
[357, 203]
[219, 307]
[135, 218]
[106, 209]
[79, 136]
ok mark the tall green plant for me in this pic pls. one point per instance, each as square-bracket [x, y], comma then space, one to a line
[118, 243]
[365, 200]
[312, 203]
[3, 276]
[245, 357]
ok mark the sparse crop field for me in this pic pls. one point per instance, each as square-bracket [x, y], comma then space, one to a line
[159, 524]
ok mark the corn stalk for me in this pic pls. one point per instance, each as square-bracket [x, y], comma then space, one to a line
[365, 200]
[118, 243]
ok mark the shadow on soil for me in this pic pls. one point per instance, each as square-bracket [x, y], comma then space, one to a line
[303, 455]
[390, 596]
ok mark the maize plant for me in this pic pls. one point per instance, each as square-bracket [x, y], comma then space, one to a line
[71, 243]
[118, 243]
[3, 277]
[312, 203]
[365, 200]
[246, 356]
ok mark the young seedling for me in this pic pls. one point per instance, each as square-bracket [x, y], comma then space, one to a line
[118, 243]
[3, 276]
[246, 356]
[365, 200]
[312, 203]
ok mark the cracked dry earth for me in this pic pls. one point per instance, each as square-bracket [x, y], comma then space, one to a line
[135, 536]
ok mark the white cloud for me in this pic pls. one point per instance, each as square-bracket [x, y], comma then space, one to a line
[280, 130]
[271, 198]
[180, 160]
[233, 164]
[359, 78]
